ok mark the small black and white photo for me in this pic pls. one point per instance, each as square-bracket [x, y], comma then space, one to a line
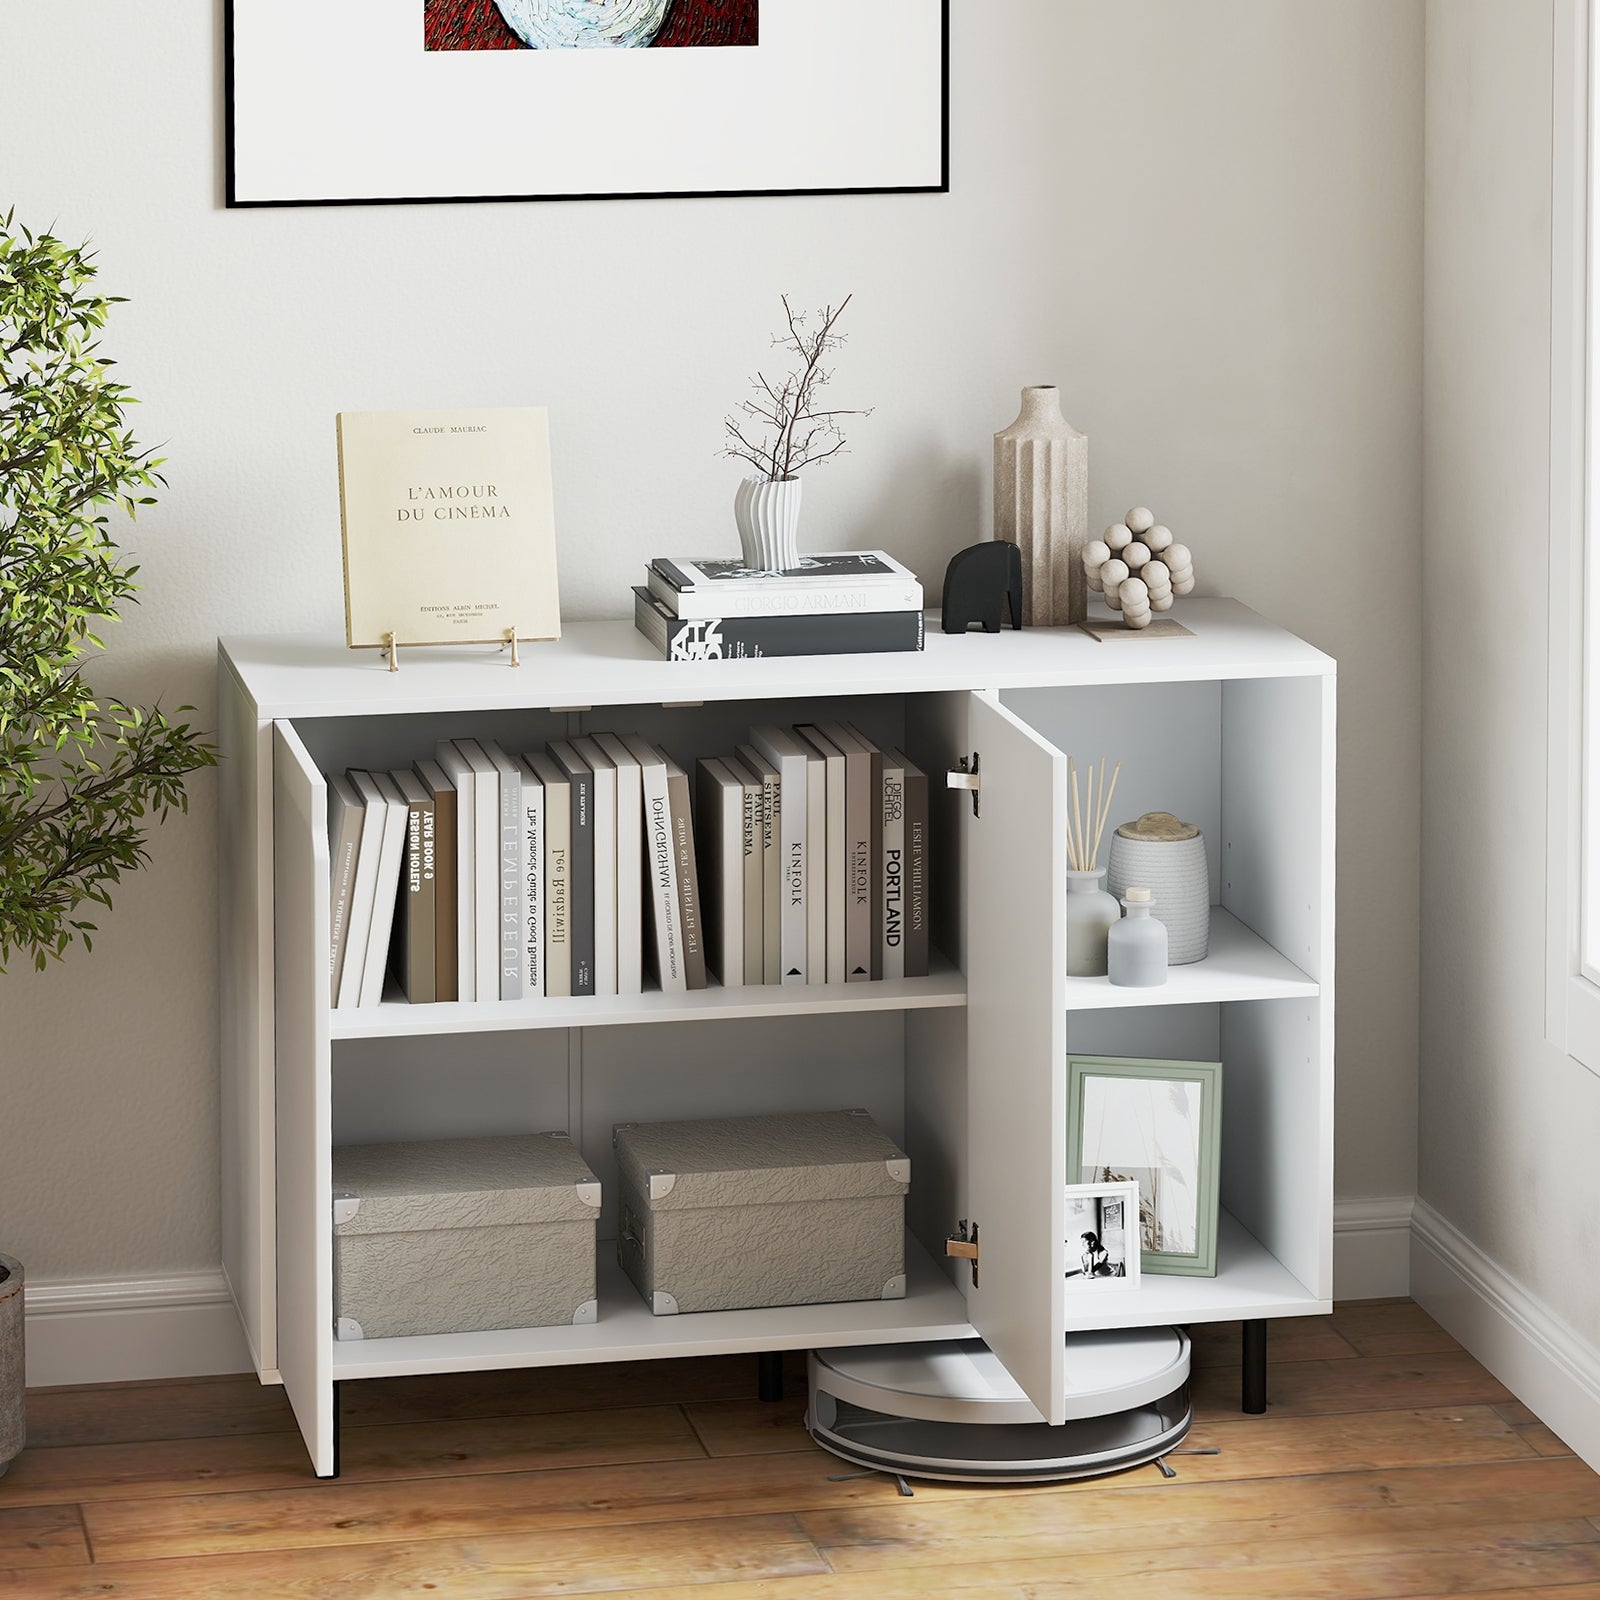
[1101, 1237]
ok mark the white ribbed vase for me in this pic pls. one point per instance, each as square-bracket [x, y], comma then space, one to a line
[768, 514]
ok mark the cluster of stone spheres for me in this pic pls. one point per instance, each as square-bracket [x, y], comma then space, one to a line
[1137, 567]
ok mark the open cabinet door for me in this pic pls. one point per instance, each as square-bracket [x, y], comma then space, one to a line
[1014, 877]
[304, 1092]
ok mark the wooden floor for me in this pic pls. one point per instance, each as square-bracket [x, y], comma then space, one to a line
[1389, 1463]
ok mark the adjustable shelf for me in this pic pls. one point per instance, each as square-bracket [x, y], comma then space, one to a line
[1239, 965]
[394, 1018]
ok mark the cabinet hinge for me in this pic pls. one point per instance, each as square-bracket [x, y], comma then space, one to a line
[964, 1246]
[966, 776]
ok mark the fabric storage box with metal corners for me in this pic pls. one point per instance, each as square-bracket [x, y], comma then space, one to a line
[460, 1235]
[785, 1210]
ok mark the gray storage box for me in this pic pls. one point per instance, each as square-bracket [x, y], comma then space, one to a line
[762, 1211]
[459, 1235]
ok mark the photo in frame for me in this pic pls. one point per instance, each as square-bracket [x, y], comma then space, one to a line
[1157, 1124]
[1102, 1237]
[339, 102]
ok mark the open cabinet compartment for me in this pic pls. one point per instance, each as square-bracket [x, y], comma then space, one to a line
[1251, 762]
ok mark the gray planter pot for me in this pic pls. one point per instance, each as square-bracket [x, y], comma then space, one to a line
[13, 1420]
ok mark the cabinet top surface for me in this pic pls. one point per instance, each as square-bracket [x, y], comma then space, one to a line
[609, 663]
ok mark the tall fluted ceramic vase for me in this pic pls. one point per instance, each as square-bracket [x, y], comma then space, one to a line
[1041, 504]
[767, 511]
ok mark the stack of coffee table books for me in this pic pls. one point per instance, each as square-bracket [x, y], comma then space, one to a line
[840, 603]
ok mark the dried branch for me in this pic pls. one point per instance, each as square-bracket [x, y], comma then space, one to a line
[797, 430]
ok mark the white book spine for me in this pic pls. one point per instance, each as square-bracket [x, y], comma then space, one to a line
[532, 886]
[794, 600]
[663, 870]
[345, 816]
[791, 763]
[817, 881]
[485, 870]
[385, 892]
[894, 881]
[365, 885]
[460, 773]
[630, 865]
[513, 857]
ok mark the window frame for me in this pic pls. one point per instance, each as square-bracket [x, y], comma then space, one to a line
[1572, 964]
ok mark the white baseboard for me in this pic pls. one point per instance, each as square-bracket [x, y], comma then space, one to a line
[1542, 1359]
[1372, 1247]
[110, 1330]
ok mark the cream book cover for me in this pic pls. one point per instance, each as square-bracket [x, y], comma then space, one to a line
[449, 526]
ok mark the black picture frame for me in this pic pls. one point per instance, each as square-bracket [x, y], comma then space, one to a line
[233, 201]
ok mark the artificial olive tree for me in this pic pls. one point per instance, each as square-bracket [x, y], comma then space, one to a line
[82, 777]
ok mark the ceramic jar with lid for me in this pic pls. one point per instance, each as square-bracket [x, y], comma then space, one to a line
[1167, 856]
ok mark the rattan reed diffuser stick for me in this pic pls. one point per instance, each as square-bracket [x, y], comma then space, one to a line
[1106, 796]
[1086, 823]
[1074, 824]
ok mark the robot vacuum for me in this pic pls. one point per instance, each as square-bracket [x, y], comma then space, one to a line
[948, 1410]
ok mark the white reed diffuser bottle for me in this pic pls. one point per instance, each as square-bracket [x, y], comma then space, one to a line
[1091, 912]
[1136, 947]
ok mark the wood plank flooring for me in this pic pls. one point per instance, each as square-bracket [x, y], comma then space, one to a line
[1389, 1464]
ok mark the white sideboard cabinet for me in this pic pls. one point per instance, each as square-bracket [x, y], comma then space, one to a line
[1233, 729]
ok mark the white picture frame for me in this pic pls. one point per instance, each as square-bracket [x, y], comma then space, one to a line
[338, 102]
[1102, 1238]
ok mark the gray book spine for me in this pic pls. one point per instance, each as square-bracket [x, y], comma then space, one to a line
[581, 896]
[771, 861]
[750, 865]
[892, 886]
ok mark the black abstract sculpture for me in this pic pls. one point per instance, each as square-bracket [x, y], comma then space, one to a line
[977, 585]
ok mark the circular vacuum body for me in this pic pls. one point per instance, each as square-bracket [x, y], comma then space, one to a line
[949, 1410]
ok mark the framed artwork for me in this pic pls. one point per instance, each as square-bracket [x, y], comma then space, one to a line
[1102, 1237]
[340, 102]
[1157, 1124]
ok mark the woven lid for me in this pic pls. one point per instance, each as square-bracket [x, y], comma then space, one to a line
[458, 1183]
[765, 1160]
[1161, 827]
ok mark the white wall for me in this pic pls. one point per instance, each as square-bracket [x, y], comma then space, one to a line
[1202, 221]
[1507, 1122]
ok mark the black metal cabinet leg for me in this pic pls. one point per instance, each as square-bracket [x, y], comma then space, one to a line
[769, 1374]
[1254, 1400]
[336, 1388]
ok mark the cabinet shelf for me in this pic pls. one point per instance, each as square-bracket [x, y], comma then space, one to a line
[627, 1330]
[395, 1018]
[1239, 965]
[1251, 1282]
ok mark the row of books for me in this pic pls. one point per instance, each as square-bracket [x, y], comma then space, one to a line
[577, 870]
[813, 845]
[844, 602]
